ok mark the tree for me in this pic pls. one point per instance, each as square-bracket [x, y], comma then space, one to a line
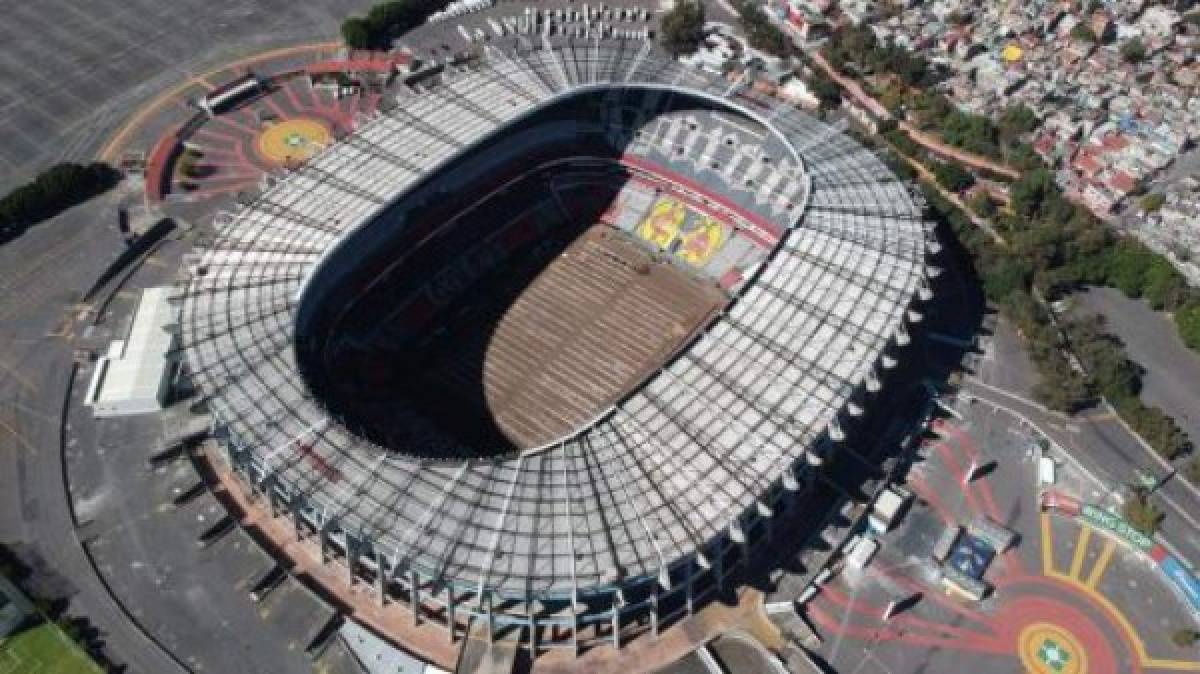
[903, 143]
[826, 91]
[850, 44]
[1133, 51]
[682, 28]
[1015, 121]
[356, 33]
[930, 108]
[760, 32]
[1061, 389]
[1030, 194]
[1162, 285]
[974, 133]
[1187, 321]
[1004, 276]
[953, 177]
[1152, 202]
[51, 192]
[386, 21]
[1141, 513]
[982, 204]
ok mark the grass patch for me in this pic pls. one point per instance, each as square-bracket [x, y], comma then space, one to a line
[43, 649]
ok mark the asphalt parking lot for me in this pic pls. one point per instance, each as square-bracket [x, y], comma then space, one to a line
[71, 72]
[146, 545]
[1152, 341]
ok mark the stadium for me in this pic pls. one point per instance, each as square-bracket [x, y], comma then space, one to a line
[549, 342]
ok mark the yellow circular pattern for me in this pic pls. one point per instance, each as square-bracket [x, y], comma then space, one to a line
[1050, 649]
[292, 140]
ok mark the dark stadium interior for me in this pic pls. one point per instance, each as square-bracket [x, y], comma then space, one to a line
[399, 340]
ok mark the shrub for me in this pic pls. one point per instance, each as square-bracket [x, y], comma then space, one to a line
[1142, 514]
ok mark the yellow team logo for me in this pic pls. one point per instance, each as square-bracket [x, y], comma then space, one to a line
[701, 242]
[662, 225]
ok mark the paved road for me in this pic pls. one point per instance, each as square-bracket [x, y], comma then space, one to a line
[70, 72]
[1097, 439]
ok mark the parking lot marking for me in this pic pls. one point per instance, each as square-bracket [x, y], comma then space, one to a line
[29, 447]
[1085, 534]
[1102, 563]
[25, 383]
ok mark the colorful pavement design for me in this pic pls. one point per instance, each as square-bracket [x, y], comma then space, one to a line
[292, 140]
[284, 127]
[1049, 618]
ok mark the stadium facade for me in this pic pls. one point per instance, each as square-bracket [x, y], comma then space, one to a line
[618, 502]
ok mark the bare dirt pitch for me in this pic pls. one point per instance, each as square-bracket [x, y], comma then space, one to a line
[588, 328]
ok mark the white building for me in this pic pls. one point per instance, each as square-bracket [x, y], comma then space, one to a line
[133, 377]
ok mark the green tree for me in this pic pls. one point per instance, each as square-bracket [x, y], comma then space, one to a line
[1016, 120]
[356, 33]
[826, 91]
[1187, 320]
[1162, 285]
[974, 133]
[1031, 193]
[51, 192]
[1060, 388]
[953, 177]
[930, 108]
[850, 45]
[1142, 513]
[982, 204]
[682, 28]
[1133, 51]
[1003, 276]
[760, 32]
[1152, 202]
